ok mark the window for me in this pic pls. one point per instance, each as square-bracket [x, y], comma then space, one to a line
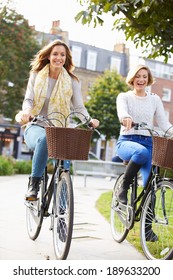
[91, 60]
[166, 95]
[161, 70]
[76, 54]
[115, 64]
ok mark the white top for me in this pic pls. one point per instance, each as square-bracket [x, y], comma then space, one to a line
[146, 109]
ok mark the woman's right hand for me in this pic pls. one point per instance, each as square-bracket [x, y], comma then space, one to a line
[127, 122]
[23, 117]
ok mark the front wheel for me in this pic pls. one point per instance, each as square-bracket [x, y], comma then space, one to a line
[63, 212]
[118, 214]
[157, 223]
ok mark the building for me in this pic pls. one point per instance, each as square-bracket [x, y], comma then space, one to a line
[91, 62]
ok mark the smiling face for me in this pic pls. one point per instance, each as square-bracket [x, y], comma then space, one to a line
[141, 79]
[57, 57]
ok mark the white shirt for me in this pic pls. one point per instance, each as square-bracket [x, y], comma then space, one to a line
[146, 109]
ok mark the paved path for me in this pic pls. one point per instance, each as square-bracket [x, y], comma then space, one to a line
[92, 239]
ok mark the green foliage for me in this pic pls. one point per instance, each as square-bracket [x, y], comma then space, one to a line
[6, 166]
[17, 47]
[10, 166]
[22, 167]
[148, 23]
[102, 102]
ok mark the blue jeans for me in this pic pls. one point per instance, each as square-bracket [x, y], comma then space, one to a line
[137, 148]
[35, 138]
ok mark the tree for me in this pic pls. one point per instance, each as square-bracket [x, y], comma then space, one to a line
[17, 47]
[148, 23]
[102, 102]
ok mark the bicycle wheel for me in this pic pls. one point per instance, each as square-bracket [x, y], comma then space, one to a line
[118, 215]
[159, 221]
[63, 212]
[34, 213]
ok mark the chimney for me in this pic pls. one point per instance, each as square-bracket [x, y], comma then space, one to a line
[55, 27]
[121, 48]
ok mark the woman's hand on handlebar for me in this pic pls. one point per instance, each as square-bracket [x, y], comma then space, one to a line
[23, 117]
[94, 123]
[127, 122]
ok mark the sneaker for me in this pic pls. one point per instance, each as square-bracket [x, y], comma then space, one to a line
[151, 236]
[62, 230]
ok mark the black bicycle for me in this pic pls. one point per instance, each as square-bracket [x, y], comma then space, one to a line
[55, 197]
[153, 206]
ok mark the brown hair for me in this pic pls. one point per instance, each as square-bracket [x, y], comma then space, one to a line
[41, 58]
[132, 73]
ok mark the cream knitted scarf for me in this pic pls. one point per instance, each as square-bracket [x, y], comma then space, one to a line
[61, 95]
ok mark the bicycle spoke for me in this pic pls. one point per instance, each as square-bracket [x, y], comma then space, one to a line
[161, 223]
[118, 215]
[63, 216]
[34, 215]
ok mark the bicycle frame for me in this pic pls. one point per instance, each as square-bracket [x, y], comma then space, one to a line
[51, 189]
[153, 180]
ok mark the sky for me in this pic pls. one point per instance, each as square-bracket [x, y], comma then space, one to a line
[41, 13]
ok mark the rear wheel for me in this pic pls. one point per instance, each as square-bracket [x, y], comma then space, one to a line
[34, 213]
[159, 221]
[63, 211]
[118, 214]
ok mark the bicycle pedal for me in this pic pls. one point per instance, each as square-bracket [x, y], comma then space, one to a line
[122, 207]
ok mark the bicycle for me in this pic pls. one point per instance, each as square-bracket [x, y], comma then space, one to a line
[152, 207]
[58, 193]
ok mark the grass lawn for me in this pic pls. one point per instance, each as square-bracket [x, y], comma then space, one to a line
[103, 205]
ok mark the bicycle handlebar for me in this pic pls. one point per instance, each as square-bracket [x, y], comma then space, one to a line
[47, 121]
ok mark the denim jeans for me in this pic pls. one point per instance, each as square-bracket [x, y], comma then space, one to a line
[137, 148]
[35, 138]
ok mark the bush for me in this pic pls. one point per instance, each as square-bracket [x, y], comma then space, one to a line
[6, 166]
[22, 167]
[10, 166]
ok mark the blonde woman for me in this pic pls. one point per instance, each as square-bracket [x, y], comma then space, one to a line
[52, 87]
[135, 146]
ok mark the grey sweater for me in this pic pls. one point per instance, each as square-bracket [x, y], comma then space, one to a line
[76, 100]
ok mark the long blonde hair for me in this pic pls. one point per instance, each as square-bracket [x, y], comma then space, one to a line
[41, 58]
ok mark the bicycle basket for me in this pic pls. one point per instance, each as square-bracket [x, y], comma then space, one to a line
[68, 143]
[162, 152]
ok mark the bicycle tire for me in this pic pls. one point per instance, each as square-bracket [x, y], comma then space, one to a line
[163, 227]
[63, 213]
[35, 213]
[118, 217]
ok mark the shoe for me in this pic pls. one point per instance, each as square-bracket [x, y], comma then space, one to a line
[122, 196]
[62, 230]
[151, 236]
[33, 188]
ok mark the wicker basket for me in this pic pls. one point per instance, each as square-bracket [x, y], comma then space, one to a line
[68, 143]
[162, 152]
